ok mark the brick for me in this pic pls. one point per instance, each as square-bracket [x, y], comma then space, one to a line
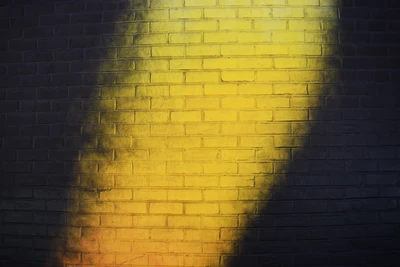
[202, 235]
[185, 64]
[269, 2]
[170, 260]
[202, 50]
[183, 167]
[237, 154]
[290, 115]
[169, 51]
[186, 90]
[149, 167]
[288, 12]
[184, 195]
[185, 247]
[236, 207]
[220, 221]
[255, 115]
[116, 194]
[167, 77]
[235, 24]
[320, 12]
[201, 154]
[185, 38]
[202, 102]
[166, 234]
[145, 247]
[220, 194]
[202, 77]
[166, 208]
[204, 25]
[185, 14]
[237, 76]
[171, 26]
[184, 221]
[114, 246]
[149, 117]
[146, 194]
[167, 103]
[220, 116]
[219, 13]
[190, 3]
[185, 116]
[167, 129]
[150, 221]
[130, 208]
[219, 37]
[238, 128]
[226, 141]
[205, 208]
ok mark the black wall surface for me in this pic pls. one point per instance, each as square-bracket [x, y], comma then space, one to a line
[337, 204]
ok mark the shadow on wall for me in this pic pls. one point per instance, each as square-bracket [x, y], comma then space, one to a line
[337, 203]
[51, 56]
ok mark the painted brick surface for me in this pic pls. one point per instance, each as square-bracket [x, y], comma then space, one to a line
[199, 133]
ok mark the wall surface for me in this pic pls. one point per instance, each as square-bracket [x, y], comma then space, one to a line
[219, 133]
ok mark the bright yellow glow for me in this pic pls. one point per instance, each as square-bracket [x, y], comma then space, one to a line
[197, 127]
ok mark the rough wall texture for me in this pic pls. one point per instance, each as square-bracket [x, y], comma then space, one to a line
[199, 133]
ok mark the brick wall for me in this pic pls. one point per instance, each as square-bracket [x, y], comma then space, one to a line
[199, 133]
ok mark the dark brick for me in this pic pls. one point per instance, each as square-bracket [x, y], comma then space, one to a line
[49, 142]
[32, 106]
[66, 79]
[32, 154]
[9, 106]
[48, 193]
[69, 55]
[8, 154]
[17, 216]
[51, 20]
[42, 9]
[69, 7]
[100, 28]
[34, 130]
[16, 192]
[10, 82]
[17, 167]
[80, 142]
[22, 45]
[34, 33]
[25, 21]
[49, 218]
[345, 179]
[21, 69]
[35, 80]
[49, 167]
[30, 179]
[17, 142]
[38, 56]
[85, 66]
[86, 18]
[68, 30]
[63, 105]
[64, 154]
[100, 79]
[52, 93]
[54, 43]
[84, 42]
[65, 130]
[345, 153]
[84, 92]
[51, 117]
[31, 204]
[101, 53]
